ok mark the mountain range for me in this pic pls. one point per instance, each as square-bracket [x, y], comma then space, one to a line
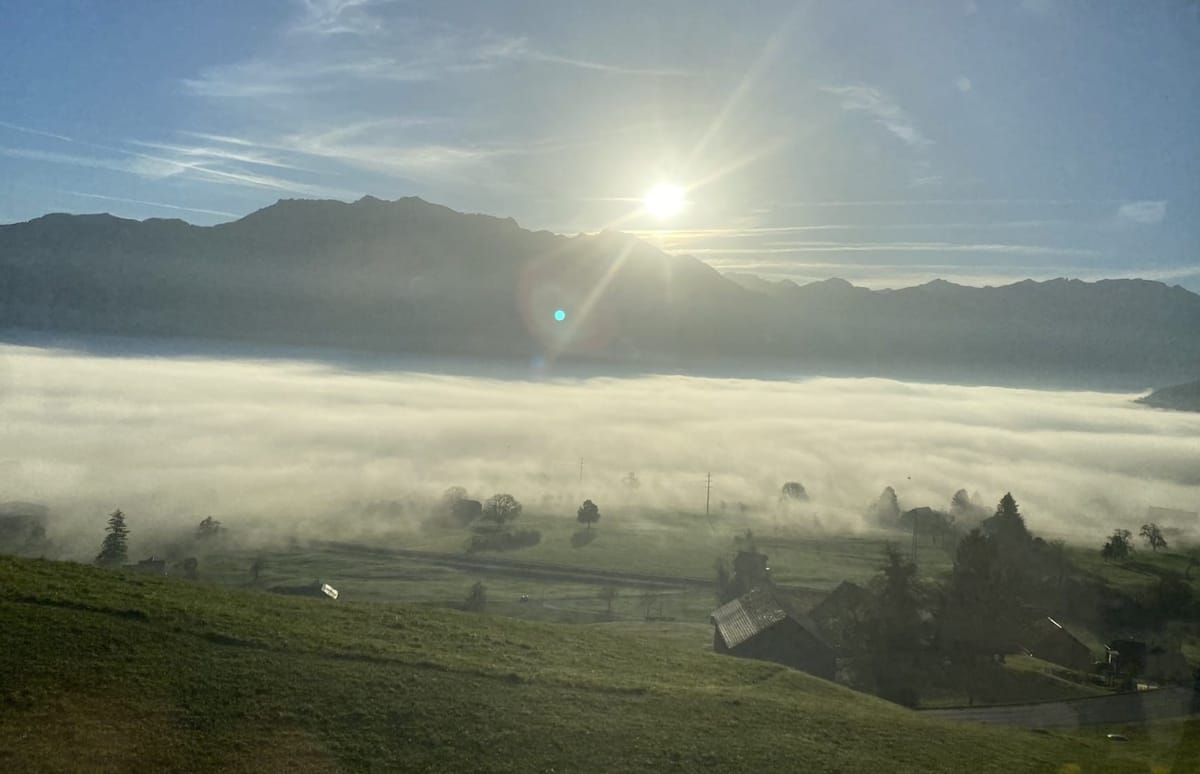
[414, 277]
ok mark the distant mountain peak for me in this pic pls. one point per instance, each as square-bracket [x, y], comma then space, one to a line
[412, 275]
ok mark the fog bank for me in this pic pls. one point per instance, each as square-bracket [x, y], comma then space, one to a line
[297, 447]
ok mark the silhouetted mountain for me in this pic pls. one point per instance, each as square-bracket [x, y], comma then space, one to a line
[410, 276]
[1180, 397]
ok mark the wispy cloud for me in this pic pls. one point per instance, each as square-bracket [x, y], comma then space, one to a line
[162, 205]
[382, 147]
[35, 132]
[895, 247]
[218, 154]
[944, 202]
[257, 78]
[520, 50]
[891, 275]
[1143, 212]
[859, 97]
[158, 167]
[338, 17]
[347, 44]
[54, 157]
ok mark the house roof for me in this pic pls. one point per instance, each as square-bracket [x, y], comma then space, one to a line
[846, 594]
[755, 612]
[1047, 627]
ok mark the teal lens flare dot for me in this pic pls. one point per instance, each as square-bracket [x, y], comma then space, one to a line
[559, 315]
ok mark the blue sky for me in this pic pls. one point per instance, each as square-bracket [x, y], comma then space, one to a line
[887, 143]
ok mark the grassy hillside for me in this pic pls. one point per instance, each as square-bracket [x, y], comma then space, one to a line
[112, 671]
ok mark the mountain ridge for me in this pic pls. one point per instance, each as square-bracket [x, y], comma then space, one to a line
[413, 276]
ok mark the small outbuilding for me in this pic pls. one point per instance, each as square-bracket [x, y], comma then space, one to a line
[762, 625]
[153, 565]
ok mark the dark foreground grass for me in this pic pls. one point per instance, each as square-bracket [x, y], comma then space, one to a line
[109, 671]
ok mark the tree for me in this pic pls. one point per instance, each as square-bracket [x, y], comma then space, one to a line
[966, 508]
[725, 589]
[476, 601]
[886, 510]
[1153, 537]
[256, 568]
[1007, 525]
[1119, 546]
[190, 566]
[452, 495]
[501, 508]
[893, 634]
[793, 491]
[631, 480]
[208, 528]
[114, 550]
[649, 599]
[588, 513]
[609, 594]
[457, 508]
[979, 611]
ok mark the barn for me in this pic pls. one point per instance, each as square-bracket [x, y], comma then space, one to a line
[762, 625]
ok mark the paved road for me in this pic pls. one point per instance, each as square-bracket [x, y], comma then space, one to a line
[1118, 709]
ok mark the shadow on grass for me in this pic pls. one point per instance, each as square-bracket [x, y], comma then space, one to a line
[582, 537]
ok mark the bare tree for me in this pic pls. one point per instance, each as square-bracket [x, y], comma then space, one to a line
[609, 594]
[476, 601]
[1153, 537]
[501, 508]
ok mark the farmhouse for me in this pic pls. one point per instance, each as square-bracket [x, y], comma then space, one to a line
[762, 625]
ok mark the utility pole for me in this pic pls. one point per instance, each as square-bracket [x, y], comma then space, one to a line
[581, 470]
[707, 492]
[914, 548]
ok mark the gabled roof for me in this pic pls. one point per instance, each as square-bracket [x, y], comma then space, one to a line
[1047, 627]
[846, 594]
[755, 612]
[746, 616]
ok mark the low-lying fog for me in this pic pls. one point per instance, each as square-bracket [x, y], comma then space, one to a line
[297, 447]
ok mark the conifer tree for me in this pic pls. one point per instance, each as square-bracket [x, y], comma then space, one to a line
[114, 550]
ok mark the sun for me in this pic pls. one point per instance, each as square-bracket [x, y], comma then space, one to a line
[664, 200]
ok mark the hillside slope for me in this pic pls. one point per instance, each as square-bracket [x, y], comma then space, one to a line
[112, 671]
[1180, 397]
[410, 276]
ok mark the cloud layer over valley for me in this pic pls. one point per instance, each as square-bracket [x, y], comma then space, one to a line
[295, 447]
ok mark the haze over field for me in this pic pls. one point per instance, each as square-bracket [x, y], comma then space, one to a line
[305, 448]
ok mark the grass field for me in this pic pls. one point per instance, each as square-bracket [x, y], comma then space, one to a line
[666, 543]
[670, 544]
[115, 671]
[687, 544]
